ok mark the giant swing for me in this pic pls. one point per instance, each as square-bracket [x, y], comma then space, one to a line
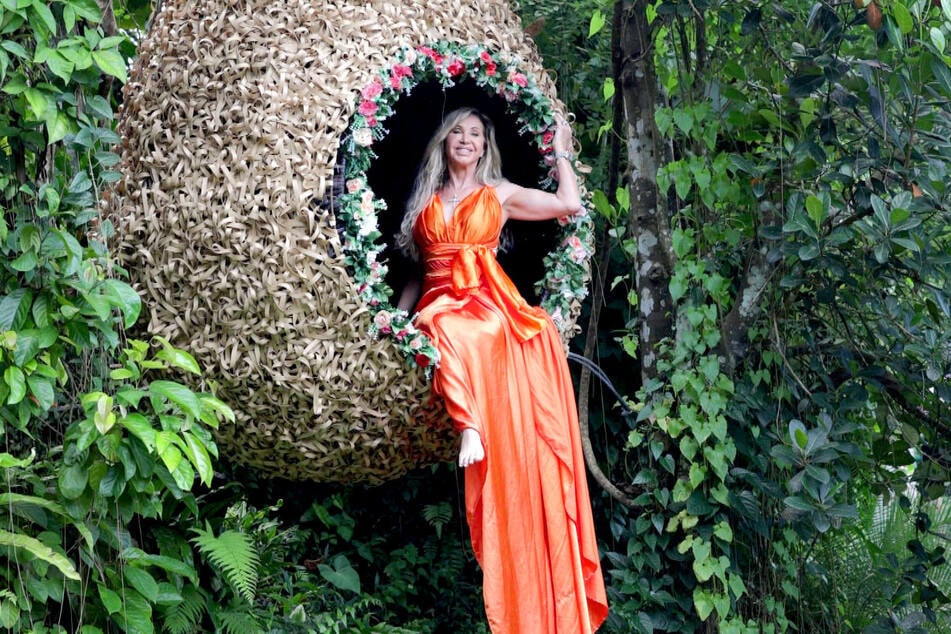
[267, 149]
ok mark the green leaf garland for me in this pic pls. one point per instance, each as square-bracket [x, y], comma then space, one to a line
[564, 285]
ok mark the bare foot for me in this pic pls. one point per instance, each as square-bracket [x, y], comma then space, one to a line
[471, 450]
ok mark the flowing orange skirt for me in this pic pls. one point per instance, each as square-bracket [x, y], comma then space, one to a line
[503, 372]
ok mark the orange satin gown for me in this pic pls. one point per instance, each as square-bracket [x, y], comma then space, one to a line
[502, 371]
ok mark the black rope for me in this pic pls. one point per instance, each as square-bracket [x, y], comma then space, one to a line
[598, 372]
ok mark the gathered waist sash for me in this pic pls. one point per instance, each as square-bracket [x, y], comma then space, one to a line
[465, 268]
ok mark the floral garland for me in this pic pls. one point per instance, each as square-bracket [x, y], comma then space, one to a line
[565, 281]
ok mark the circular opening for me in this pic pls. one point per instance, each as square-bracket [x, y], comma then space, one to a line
[391, 175]
[397, 112]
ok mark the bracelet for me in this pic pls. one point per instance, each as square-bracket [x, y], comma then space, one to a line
[564, 155]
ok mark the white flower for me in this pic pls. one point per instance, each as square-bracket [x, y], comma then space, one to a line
[363, 137]
[409, 57]
[354, 185]
[367, 226]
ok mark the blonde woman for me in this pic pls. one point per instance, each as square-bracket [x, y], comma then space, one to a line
[505, 382]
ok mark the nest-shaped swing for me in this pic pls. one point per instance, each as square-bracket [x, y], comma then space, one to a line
[262, 142]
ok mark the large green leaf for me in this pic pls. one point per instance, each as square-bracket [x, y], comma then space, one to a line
[138, 557]
[342, 574]
[13, 501]
[142, 581]
[39, 550]
[111, 63]
[179, 395]
[14, 308]
[126, 298]
[198, 456]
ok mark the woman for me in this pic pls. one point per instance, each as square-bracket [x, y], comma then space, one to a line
[504, 379]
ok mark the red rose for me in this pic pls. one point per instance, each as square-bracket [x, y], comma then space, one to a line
[547, 137]
[490, 69]
[422, 360]
[455, 67]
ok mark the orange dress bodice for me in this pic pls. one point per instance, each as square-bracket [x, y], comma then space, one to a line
[503, 372]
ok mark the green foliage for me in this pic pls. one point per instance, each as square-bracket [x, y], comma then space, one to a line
[115, 442]
[234, 555]
[868, 566]
[803, 173]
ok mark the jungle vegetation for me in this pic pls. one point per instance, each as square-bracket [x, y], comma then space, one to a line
[772, 299]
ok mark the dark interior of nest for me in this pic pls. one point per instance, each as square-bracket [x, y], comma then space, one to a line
[391, 176]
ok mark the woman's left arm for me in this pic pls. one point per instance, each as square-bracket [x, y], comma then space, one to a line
[524, 203]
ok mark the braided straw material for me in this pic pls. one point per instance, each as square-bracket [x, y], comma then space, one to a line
[231, 124]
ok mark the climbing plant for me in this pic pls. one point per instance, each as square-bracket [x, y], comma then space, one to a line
[789, 288]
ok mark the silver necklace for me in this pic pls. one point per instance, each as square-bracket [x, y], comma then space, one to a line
[454, 199]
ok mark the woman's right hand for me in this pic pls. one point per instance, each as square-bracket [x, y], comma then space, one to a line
[562, 141]
[471, 449]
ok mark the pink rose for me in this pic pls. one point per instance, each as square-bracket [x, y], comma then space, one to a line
[399, 70]
[354, 185]
[416, 343]
[401, 334]
[578, 252]
[395, 82]
[367, 108]
[518, 79]
[373, 89]
[455, 67]
[431, 54]
[382, 320]
[371, 122]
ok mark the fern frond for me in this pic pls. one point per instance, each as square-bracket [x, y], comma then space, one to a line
[231, 621]
[183, 617]
[438, 515]
[233, 554]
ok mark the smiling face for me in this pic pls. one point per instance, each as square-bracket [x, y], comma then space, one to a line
[465, 143]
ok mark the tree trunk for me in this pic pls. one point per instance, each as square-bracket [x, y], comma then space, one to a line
[648, 223]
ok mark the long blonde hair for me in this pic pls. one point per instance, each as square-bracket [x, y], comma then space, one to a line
[434, 172]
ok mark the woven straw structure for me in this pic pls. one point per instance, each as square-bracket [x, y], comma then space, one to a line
[231, 124]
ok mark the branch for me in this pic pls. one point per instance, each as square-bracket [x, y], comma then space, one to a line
[584, 385]
[735, 326]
